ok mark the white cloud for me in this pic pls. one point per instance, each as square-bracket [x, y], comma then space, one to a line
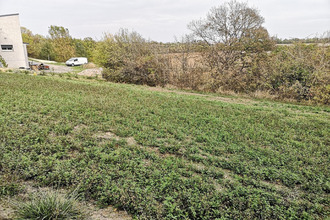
[162, 19]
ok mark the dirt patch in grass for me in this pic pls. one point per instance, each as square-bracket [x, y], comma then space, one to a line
[109, 213]
[208, 97]
[60, 68]
[131, 141]
[237, 100]
[109, 135]
[7, 210]
[79, 127]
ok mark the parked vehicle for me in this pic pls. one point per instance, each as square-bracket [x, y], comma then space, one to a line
[43, 67]
[76, 61]
[35, 66]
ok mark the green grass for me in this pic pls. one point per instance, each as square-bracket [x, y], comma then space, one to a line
[50, 205]
[194, 158]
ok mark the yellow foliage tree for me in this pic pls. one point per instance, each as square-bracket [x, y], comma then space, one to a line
[62, 43]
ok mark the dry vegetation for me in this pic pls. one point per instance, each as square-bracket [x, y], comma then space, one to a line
[297, 73]
[228, 52]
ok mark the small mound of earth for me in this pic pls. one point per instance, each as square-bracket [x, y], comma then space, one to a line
[91, 72]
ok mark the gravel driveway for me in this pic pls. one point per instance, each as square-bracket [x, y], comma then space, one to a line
[59, 69]
[67, 69]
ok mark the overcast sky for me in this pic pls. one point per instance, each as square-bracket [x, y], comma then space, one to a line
[161, 20]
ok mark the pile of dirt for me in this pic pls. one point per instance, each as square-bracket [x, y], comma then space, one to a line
[91, 72]
[89, 66]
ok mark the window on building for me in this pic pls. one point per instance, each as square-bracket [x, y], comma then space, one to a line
[7, 47]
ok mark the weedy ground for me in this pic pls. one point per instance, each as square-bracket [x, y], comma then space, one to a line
[161, 155]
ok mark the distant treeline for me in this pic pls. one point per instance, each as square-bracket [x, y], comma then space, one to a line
[303, 40]
[58, 46]
[224, 53]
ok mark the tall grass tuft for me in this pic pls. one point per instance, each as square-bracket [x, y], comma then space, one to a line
[49, 205]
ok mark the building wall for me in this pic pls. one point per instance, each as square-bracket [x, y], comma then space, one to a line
[26, 54]
[10, 34]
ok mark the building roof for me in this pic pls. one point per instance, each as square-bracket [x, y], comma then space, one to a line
[9, 15]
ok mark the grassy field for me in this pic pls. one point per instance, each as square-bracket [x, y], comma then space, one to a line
[163, 155]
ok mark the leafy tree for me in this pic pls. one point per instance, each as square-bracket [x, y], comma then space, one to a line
[108, 53]
[80, 49]
[58, 32]
[27, 37]
[62, 43]
[58, 46]
[47, 51]
[85, 47]
[35, 42]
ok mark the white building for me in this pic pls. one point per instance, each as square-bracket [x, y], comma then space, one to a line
[12, 48]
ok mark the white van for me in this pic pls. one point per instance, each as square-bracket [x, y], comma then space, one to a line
[76, 61]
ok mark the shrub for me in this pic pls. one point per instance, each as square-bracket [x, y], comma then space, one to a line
[129, 58]
[50, 205]
[321, 93]
[108, 53]
[300, 72]
[3, 62]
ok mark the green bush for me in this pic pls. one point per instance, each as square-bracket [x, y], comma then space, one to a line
[3, 62]
[50, 205]
[129, 58]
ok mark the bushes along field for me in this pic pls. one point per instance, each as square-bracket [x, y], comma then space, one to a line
[228, 51]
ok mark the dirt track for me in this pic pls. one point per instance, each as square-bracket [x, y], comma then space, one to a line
[68, 69]
[93, 212]
[59, 69]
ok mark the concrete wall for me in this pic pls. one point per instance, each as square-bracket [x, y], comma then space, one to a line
[26, 54]
[10, 34]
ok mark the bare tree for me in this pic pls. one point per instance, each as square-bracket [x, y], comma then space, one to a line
[231, 31]
[227, 23]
